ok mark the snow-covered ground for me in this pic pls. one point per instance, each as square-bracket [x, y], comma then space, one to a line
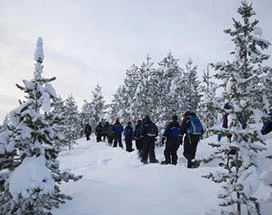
[116, 182]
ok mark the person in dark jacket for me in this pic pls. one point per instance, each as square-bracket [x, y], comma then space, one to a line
[128, 133]
[98, 132]
[173, 138]
[267, 123]
[149, 131]
[117, 129]
[110, 134]
[105, 131]
[190, 140]
[138, 139]
[88, 131]
[227, 107]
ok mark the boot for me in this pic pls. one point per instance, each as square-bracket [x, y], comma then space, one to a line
[154, 161]
[164, 162]
[189, 164]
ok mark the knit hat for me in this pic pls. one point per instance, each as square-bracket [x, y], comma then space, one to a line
[187, 113]
[117, 120]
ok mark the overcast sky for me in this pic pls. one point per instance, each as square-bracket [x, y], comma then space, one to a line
[94, 41]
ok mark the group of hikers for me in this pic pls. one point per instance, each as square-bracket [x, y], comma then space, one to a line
[145, 133]
[188, 133]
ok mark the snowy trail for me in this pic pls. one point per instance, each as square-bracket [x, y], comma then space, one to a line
[115, 182]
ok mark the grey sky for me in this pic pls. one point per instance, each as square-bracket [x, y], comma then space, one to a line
[89, 42]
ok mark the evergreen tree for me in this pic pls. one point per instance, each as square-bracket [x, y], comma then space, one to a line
[168, 75]
[142, 101]
[131, 82]
[5, 124]
[240, 159]
[207, 110]
[72, 124]
[87, 112]
[31, 144]
[117, 105]
[56, 119]
[98, 105]
[190, 94]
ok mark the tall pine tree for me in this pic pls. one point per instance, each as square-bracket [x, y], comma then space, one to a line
[240, 159]
[31, 142]
[207, 109]
[72, 123]
[98, 105]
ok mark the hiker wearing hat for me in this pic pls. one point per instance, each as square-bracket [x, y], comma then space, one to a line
[192, 128]
[173, 137]
[149, 132]
[117, 129]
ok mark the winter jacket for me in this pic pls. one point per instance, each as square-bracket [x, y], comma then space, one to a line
[149, 129]
[128, 132]
[88, 129]
[118, 128]
[137, 131]
[174, 125]
[98, 129]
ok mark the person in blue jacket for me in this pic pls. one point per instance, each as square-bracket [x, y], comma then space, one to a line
[149, 132]
[118, 130]
[128, 133]
[173, 139]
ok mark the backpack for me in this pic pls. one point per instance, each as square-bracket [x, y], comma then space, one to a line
[174, 132]
[118, 128]
[151, 130]
[194, 126]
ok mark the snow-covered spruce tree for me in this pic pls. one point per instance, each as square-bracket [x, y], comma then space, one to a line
[5, 124]
[131, 82]
[56, 119]
[165, 79]
[7, 161]
[98, 105]
[190, 88]
[240, 159]
[207, 107]
[117, 106]
[86, 112]
[31, 184]
[142, 101]
[114, 105]
[72, 123]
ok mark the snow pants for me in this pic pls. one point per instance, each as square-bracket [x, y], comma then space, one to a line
[117, 139]
[190, 146]
[149, 150]
[139, 146]
[128, 141]
[171, 148]
[87, 135]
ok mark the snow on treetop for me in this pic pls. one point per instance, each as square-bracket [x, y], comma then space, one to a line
[38, 56]
[32, 174]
